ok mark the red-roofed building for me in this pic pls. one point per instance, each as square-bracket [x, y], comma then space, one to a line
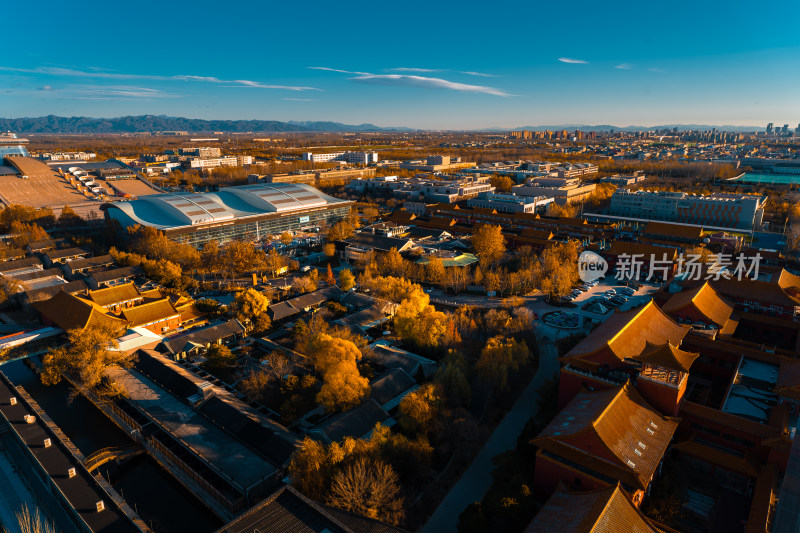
[601, 438]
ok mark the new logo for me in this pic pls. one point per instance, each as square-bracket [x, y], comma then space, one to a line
[591, 266]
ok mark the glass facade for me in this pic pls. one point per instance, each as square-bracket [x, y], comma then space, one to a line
[252, 231]
[12, 150]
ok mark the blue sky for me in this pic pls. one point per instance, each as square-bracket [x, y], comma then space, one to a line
[436, 65]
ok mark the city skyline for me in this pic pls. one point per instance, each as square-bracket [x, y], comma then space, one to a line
[427, 67]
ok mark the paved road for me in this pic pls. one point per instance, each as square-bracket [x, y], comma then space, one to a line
[476, 480]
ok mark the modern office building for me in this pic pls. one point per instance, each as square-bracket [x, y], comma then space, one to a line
[564, 190]
[723, 210]
[510, 203]
[11, 145]
[248, 212]
[358, 158]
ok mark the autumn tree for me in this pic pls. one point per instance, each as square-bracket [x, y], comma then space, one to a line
[286, 238]
[329, 278]
[255, 384]
[502, 183]
[340, 231]
[274, 262]
[489, 244]
[335, 359]
[69, 217]
[311, 469]
[86, 356]
[452, 377]
[346, 279]
[499, 358]
[329, 249]
[250, 304]
[419, 410]
[24, 234]
[435, 271]
[369, 488]
[220, 357]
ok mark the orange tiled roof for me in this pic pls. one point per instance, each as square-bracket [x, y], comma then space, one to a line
[150, 312]
[663, 229]
[667, 356]
[543, 234]
[114, 295]
[758, 291]
[607, 510]
[645, 250]
[70, 312]
[789, 282]
[627, 333]
[705, 300]
[619, 423]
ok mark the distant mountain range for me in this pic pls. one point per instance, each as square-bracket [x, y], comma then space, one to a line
[607, 127]
[152, 123]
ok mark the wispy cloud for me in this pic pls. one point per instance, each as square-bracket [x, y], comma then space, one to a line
[422, 82]
[328, 69]
[301, 99]
[572, 61]
[95, 92]
[481, 74]
[413, 69]
[70, 72]
[624, 66]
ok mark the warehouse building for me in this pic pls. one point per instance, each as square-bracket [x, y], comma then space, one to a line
[248, 212]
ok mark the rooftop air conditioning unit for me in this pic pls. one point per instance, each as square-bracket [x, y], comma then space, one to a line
[30, 419]
[47, 443]
[71, 472]
[12, 401]
[100, 506]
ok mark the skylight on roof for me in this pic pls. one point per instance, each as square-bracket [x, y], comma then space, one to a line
[631, 463]
[642, 445]
[637, 452]
[653, 425]
[651, 431]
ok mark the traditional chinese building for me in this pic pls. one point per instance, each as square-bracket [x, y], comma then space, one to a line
[601, 438]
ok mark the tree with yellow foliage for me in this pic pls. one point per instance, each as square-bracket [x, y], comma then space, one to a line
[499, 358]
[489, 244]
[85, 357]
[343, 387]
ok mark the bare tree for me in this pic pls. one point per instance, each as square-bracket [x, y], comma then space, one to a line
[369, 488]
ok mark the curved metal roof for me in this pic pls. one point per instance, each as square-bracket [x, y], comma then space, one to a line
[190, 209]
